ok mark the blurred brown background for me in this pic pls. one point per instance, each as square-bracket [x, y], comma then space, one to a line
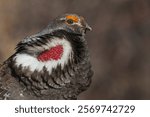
[119, 43]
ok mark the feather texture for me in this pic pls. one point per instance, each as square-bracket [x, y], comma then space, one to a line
[24, 76]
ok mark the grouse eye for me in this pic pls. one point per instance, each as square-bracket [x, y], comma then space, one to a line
[70, 21]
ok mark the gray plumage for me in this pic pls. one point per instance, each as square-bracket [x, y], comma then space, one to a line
[67, 82]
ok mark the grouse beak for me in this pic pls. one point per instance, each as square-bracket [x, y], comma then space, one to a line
[88, 28]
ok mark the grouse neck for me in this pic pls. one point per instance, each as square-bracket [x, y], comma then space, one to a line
[79, 47]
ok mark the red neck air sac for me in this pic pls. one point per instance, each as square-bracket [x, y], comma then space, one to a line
[53, 53]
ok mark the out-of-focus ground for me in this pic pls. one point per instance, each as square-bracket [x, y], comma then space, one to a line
[119, 43]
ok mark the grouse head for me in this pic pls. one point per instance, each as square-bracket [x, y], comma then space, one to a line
[71, 23]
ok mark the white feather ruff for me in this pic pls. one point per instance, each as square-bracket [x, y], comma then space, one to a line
[27, 60]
